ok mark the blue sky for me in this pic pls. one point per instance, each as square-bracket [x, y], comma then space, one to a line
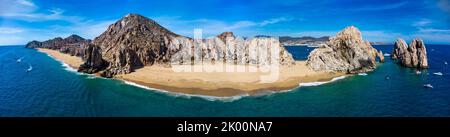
[25, 20]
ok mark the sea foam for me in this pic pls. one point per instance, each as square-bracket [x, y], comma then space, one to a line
[320, 83]
[184, 95]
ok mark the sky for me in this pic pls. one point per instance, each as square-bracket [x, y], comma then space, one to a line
[379, 20]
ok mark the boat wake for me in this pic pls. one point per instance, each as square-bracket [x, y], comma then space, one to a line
[29, 69]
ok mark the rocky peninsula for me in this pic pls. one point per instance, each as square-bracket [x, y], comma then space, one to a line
[72, 45]
[139, 50]
[346, 53]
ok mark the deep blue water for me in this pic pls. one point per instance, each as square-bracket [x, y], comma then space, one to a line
[51, 90]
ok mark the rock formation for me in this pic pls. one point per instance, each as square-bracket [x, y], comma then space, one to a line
[93, 60]
[380, 56]
[135, 41]
[73, 45]
[414, 55]
[346, 52]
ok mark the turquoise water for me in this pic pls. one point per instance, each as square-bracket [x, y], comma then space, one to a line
[52, 90]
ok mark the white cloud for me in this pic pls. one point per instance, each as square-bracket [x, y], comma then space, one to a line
[274, 21]
[422, 23]
[10, 30]
[10, 40]
[240, 24]
[26, 3]
[444, 5]
[20, 36]
[26, 10]
[381, 7]
[382, 36]
[431, 30]
[214, 27]
[433, 35]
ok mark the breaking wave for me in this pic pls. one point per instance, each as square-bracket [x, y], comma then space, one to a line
[308, 84]
[184, 95]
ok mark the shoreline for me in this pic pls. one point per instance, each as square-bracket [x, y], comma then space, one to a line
[211, 85]
[72, 61]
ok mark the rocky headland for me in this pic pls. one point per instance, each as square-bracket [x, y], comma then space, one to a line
[73, 45]
[346, 52]
[413, 56]
[136, 41]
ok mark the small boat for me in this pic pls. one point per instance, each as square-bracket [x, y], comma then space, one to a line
[418, 72]
[446, 63]
[30, 68]
[387, 77]
[362, 74]
[386, 54]
[19, 60]
[438, 73]
[428, 86]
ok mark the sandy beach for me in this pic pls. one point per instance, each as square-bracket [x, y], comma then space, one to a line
[215, 83]
[72, 61]
[224, 83]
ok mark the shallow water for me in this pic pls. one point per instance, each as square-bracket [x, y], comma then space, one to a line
[51, 90]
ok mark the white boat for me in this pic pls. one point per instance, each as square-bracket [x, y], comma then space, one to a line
[446, 63]
[438, 73]
[418, 72]
[386, 54]
[30, 68]
[428, 86]
[362, 74]
[19, 60]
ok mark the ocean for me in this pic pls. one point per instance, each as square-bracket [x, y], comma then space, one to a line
[52, 89]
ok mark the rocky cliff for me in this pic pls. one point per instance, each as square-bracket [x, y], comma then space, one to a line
[346, 52]
[73, 45]
[414, 55]
[135, 41]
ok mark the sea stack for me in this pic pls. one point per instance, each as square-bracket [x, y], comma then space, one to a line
[346, 52]
[413, 56]
[136, 41]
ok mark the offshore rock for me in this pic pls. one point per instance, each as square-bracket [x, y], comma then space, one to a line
[413, 56]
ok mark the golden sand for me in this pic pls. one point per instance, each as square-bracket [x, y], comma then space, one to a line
[214, 83]
[224, 83]
[72, 61]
